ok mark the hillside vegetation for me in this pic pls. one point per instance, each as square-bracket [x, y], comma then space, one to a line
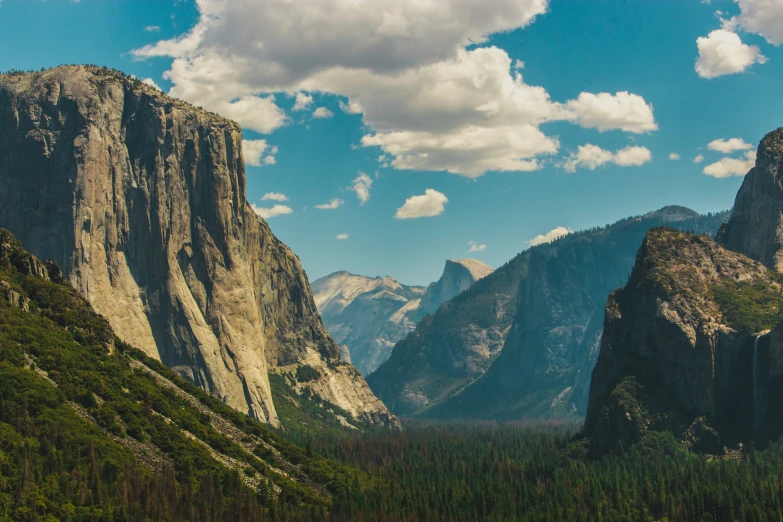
[92, 429]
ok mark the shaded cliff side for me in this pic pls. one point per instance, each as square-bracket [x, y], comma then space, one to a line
[140, 199]
[522, 342]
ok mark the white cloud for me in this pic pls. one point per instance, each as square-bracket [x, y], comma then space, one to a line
[274, 196]
[475, 247]
[352, 107]
[253, 150]
[762, 17]
[430, 101]
[604, 111]
[151, 83]
[674, 156]
[555, 233]
[699, 158]
[722, 52]
[588, 156]
[276, 210]
[333, 204]
[592, 156]
[431, 203]
[731, 167]
[323, 113]
[633, 156]
[152, 29]
[342, 237]
[361, 185]
[729, 146]
[302, 102]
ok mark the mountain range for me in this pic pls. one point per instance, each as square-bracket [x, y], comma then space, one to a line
[522, 342]
[369, 315]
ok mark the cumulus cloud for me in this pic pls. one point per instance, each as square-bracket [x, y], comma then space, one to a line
[342, 237]
[323, 113]
[761, 17]
[555, 233]
[333, 204]
[729, 146]
[430, 100]
[475, 247]
[361, 185]
[274, 196]
[276, 210]
[152, 29]
[604, 111]
[722, 52]
[592, 156]
[253, 151]
[727, 167]
[431, 203]
[699, 158]
[674, 156]
[633, 156]
[302, 101]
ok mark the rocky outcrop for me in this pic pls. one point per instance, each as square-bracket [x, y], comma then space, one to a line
[523, 341]
[687, 345]
[756, 225]
[140, 199]
[680, 350]
[457, 277]
[366, 315]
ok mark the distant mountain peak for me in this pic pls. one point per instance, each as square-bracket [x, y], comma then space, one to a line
[673, 213]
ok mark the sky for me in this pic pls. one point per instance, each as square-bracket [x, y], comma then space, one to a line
[383, 138]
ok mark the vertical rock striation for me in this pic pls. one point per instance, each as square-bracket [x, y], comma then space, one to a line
[140, 199]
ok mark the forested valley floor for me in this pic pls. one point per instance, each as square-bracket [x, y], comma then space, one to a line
[537, 471]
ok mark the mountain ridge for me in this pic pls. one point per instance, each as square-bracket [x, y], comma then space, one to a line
[522, 341]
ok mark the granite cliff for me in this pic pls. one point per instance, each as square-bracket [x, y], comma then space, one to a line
[693, 344]
[140, 198]
[457, 277]
[522, 342]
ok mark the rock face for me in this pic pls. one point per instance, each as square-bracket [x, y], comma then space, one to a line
[366, 315]
[457, 277]
[756, 225]
[523, 341]
[677, 350]
[687, 345]
[140, 199]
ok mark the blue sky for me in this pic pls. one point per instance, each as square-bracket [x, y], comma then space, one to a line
[517, 167]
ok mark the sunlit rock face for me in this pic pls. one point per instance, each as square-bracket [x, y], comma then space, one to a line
[141, 200]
